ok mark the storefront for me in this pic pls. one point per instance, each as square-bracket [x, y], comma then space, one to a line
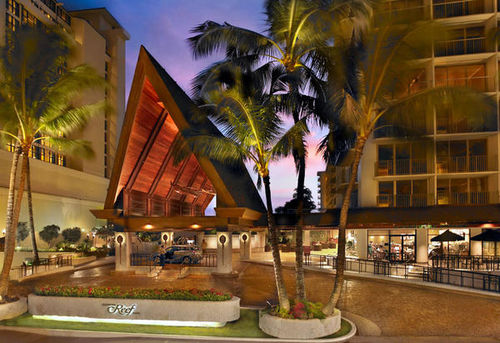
[392, 245]
[461, 248]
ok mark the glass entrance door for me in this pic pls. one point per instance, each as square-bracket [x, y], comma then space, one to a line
[402, 248]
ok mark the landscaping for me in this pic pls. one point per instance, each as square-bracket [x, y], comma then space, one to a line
[247, 326]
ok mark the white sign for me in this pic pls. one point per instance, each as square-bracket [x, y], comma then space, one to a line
[120, 309]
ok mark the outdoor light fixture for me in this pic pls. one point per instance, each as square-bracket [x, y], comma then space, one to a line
[148, 226]
[195, 226]
[132, 321]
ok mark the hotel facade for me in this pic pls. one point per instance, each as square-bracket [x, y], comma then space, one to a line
[455, 167]
[66, 188]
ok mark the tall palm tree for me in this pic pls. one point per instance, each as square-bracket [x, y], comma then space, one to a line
[296, 30]
[252, 132]
[37, 97]
[373, 85]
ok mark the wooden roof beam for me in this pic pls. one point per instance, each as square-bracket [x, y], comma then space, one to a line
[146, 149]
[164, 164]
[177, 177]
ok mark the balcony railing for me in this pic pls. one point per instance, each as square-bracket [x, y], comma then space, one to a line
[463, 164]
[405, 200]
[445, 125]
[458, 8]
[460, 47]
[479, 83]
[466, 198]
[400, 167]
[394, 9]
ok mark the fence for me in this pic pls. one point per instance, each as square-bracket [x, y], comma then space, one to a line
[470, 279]
[148, 260]
[489, 263]
[45, 264]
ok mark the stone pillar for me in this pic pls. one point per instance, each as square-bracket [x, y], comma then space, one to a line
[167, 238]
[224, 253]
[123, 248]
[306, 237]
[200, 236]
[476, 247]
[422, 245]
[245, 245]
[361, 243]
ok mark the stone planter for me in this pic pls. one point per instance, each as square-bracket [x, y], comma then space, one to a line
[14, 309]
[140, 309]
[299, 328]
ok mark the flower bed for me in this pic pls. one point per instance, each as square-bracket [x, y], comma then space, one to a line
[136, 305]
[135, 293]
[300, 310]
[13, 308]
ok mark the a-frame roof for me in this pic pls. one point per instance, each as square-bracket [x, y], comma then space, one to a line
[157, 112]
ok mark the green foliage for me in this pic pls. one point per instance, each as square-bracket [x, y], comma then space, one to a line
[292, 205]
[22, 231]
[49, 233]
[84, 246]
[104, 231]
[149, 236]
[300, 310]
[72, 235]
[135, 293]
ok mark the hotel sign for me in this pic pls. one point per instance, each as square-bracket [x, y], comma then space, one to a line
[120, 309]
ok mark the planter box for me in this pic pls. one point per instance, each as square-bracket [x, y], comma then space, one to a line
[299, 328]
[14, 309]
[130, 309]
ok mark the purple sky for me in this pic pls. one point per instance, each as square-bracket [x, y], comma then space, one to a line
[163, 26]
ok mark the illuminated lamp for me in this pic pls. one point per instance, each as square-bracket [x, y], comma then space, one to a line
[487, 225]
[195, 226]
[132, 321]
[148, 226]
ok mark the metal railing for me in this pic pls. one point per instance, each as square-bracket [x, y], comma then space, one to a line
[488, 263]
[478, 83]
[466, 198]
[457, 8]
[405, 200]
[470, 279]
[400, 167]
[462, 164]
[45, 264]
[147, 260]
[397, 9]
[460, 47]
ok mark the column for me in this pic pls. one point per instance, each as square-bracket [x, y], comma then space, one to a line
[167, 238]
[306, 238]
[123, 248]
[245, 245]
[224, 253]
[361, 243]
[422, 245]
[476, 247]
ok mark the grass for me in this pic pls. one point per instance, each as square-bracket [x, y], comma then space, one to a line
[246, 326]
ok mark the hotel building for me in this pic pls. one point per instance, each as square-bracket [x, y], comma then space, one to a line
[64, 187]
[455, 167]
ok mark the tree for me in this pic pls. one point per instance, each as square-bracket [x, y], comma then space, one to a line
[296, 30]
[291, 206]
[72, 235]
[252, 132]
[22, 231]
[49, 233]
[37, 97]
[104, 232]
[371, 88]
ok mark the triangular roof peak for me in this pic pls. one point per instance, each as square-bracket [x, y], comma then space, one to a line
[157, 113]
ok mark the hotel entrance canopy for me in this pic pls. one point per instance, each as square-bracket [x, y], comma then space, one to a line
[147, 190]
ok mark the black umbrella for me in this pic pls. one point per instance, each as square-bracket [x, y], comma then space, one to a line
[489, 235]
[447, 236]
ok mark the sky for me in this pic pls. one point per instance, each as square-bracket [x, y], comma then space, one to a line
[163, 27]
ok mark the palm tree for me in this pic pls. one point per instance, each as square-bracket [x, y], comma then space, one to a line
[373, 85]
[282, 59]
[252, 132]
[36, 107]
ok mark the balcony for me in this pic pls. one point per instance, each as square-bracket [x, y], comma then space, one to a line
[478, 83]
[463, 164]
[457, 8]
[397, 9]
[460, 47]
[444, 126]
[400, 167]
[405, 200]
[466, 198]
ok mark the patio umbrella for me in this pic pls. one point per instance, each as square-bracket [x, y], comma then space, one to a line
[489, 235]
[447, 236]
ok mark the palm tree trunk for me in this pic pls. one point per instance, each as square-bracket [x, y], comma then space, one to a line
[36, 258]
[278, 270]
[339, 275]
[299, 243]
[10, 234]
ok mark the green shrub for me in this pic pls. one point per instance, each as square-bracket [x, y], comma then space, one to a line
[135, 293]
[72, 235]
[300, 310]
[49, 233]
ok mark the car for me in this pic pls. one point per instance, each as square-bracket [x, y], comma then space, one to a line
[178, 254]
